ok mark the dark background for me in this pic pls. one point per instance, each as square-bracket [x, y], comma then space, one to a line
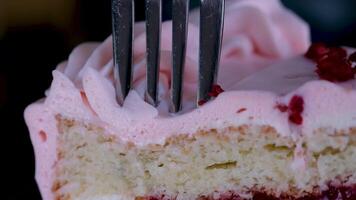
[35, 35]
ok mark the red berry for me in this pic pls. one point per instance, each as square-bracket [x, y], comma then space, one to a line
[296, 104]
[352, 57]
[201, 102]
[215, 91]
[317, 51]
[332, 63]
[296, 118]
[295, 109]
[241, 110]
[337, 53]
[282, 107]
[335, 70]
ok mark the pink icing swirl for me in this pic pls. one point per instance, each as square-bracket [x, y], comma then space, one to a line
[256, 34]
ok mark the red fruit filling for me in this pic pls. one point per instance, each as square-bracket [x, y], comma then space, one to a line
[332, 62]
[341, 192]
[295, 109]
[333, 193]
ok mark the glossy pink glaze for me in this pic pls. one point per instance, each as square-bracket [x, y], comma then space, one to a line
[257, 35]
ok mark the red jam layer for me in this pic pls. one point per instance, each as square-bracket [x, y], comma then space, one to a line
[334, 193]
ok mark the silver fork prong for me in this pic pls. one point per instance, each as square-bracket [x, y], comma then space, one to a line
[122, 34]
[211, 31]
[179, 38]
[153, 36]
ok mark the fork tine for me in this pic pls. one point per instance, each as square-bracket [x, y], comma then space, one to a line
[179, 31]
[153, 35]
[211, 31]
[122, 28]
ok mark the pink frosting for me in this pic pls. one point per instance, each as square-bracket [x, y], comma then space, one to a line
[258, 34]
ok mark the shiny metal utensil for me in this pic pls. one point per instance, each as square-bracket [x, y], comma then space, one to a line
[179, 30]
[122, 26]
[153, 36]
[211, 28]
[211, 32]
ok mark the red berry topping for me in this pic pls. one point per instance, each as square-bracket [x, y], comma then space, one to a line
[317, 51]
[337, 53]
[332, 62]
[241, 110]
[296, 118]
[201, 102]
[282, 107]
[295, 109]
[215, 91]
[296, 104]
[352, 57]
[335, 70]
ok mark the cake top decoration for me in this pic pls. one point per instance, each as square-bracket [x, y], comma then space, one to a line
[333, 63]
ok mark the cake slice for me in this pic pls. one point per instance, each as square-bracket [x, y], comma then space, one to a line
[284, 128]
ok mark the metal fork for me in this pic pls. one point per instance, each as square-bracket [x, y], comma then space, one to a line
[211, 28]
